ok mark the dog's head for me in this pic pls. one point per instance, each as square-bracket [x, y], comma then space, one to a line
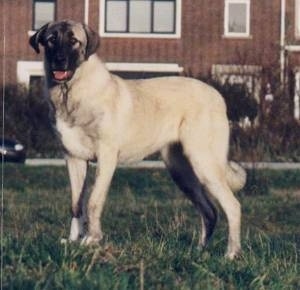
[67, 44]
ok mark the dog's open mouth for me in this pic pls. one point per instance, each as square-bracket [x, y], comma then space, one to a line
[64, 75]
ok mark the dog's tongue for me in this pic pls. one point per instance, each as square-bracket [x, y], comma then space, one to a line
[61, 75]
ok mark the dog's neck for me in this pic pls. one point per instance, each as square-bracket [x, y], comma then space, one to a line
[89, 78]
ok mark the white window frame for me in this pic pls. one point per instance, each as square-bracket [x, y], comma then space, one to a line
[27, 69]
[177, 33]
[229, 34]
[144, 67]
[297, 19]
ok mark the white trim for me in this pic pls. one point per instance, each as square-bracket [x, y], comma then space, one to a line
[297, 18]
[86, 11]
[144, 67]
[31, 32]
[292, 48]
[282, 42]
[177, 33]
[26, 69]
[297, 95]
[254, 70]
[229, 34]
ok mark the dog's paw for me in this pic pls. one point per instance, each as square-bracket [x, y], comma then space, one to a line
[89, 240]
[77, 229]
[232, 255]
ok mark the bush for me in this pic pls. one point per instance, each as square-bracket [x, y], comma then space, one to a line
[275, 138]
[26, 119]
[240, 104]
[16, 122]
[270, 141]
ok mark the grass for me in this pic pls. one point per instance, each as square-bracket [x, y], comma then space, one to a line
[151, 234]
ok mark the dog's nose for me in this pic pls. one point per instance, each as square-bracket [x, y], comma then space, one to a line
[61, 57]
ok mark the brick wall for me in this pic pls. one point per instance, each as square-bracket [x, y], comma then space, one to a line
[201, 45]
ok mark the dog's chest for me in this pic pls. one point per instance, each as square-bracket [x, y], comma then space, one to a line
[75, 140]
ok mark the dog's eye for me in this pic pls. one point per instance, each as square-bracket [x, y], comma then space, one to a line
[73, 41]
[51, 39]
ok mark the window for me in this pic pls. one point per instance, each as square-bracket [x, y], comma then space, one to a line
[43, 12]
[140, 18]
[237, 18]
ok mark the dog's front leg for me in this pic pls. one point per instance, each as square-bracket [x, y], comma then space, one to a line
[107, 161]
[77, 169]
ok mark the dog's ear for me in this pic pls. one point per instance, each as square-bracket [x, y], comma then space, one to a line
[93, 41]
[38, 38]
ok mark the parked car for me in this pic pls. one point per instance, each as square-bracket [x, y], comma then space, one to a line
[12, 151]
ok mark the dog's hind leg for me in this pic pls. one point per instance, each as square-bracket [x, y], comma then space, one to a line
[77, 173]
[207, 153]
[214, 179]
[184, 176]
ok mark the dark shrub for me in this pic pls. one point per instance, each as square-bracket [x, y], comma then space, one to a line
[26, 118]
[240, 104]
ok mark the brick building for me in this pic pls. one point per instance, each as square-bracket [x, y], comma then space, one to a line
[251, 41]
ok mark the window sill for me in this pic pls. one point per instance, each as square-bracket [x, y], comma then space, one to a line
[31, 32]
[144, 67]
[140, 35]
[237, 36]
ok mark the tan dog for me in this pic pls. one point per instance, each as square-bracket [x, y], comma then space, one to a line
[101, 116]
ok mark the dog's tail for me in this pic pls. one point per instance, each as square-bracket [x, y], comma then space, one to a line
[236, 176]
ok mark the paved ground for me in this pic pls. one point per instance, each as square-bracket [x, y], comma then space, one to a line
[160, 164]
[295, 193]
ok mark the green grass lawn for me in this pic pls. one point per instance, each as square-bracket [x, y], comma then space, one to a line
[151, 234]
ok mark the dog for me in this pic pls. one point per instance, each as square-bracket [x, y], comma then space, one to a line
[100, 116]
